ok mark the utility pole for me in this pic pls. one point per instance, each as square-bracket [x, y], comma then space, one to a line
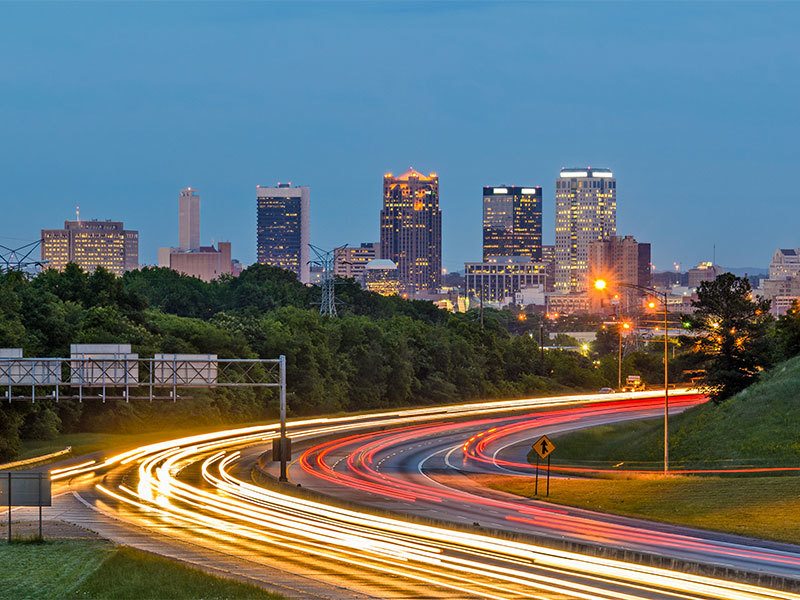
[541, 344]
[481, 301]
[284, 442]
[666, 385]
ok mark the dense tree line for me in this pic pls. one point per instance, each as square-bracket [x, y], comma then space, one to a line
[380, 352]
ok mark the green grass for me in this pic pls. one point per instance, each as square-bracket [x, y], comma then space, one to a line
[759, 426]
[98, 569]
[763, 507]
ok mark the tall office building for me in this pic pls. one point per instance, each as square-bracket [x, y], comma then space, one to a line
[623, 260]
[282, 234]
[411, 229]
[91, 244]
[586, 211]
[189, 219]
[512, 222]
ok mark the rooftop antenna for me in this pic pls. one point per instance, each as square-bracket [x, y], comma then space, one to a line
[78, 213]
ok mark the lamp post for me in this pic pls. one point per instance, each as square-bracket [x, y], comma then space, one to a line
[602, 285]
[622, 326]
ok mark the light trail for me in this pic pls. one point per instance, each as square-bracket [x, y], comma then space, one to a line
[191, 482]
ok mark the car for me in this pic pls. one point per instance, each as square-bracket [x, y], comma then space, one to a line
[605, 390]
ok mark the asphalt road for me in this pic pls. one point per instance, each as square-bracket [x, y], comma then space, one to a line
[419, 471]
[196, 492]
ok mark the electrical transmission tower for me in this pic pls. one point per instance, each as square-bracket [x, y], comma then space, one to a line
[19, 259]
[325, 259]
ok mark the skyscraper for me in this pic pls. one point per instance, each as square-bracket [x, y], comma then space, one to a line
[512, 222]
[282, 234]
[586, 211]
[91, 244]
[411, 229]
[189, 219]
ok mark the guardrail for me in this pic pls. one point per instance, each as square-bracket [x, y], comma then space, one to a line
[35, 459]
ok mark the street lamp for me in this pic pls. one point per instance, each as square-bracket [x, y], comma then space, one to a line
[622, 326]
[602, 285]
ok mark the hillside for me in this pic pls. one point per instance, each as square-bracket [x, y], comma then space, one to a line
[760, 426]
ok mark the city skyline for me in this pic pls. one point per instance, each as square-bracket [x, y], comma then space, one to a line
[679, 110]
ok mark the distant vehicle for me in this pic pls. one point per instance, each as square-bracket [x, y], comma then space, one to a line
[633, 383]
[605, 390]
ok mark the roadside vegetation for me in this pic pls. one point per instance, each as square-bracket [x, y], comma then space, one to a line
[759, 426]
[98, 569]
[381, 352]
[762, 507]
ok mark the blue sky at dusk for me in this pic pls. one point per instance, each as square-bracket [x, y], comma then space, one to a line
[116, 107]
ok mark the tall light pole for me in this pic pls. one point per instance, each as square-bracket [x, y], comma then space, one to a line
[622, 326]
[602, 285]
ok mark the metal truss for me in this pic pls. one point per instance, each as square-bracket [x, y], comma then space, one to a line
[325, 259]
[19, 259]
[123, 378]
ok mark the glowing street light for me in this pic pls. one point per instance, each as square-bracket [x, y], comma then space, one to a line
[622, 326]
[602, 285]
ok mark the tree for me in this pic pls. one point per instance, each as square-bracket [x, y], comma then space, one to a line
[787, 331]
[733, 341]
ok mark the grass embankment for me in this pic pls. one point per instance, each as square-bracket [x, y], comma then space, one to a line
[763, 507]
[758, 427]
[97, 569]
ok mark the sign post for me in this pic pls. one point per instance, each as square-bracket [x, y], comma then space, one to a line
[543, 448]
[25, 488]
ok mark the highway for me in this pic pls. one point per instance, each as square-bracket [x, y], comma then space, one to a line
[199, 487]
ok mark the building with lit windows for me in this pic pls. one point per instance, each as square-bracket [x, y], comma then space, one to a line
[381, 276]
[349, 262]
[512, 222]
[497, 280]
[621, 260]
[91, 244]
[785, 263]
[704, 271]
[411, 229]
[188, 219]
[782, 288]
[549, 259]
[282, 229]
[586, 211]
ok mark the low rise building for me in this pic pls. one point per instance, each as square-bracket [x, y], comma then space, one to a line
[705, 271]
[561, 304]
[382, 277]
[496, 280]
[206, 262]
[351, 261]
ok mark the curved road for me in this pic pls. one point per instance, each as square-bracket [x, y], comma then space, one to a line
[416, 471]
[197, 490]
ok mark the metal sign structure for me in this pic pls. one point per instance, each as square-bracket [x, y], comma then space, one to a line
[25, 488]
[112, 372]
[543, 447]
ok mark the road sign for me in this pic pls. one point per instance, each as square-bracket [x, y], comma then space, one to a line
[544, 446]
[25, 488]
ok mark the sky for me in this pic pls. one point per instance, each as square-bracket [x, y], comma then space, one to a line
[117, 106]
